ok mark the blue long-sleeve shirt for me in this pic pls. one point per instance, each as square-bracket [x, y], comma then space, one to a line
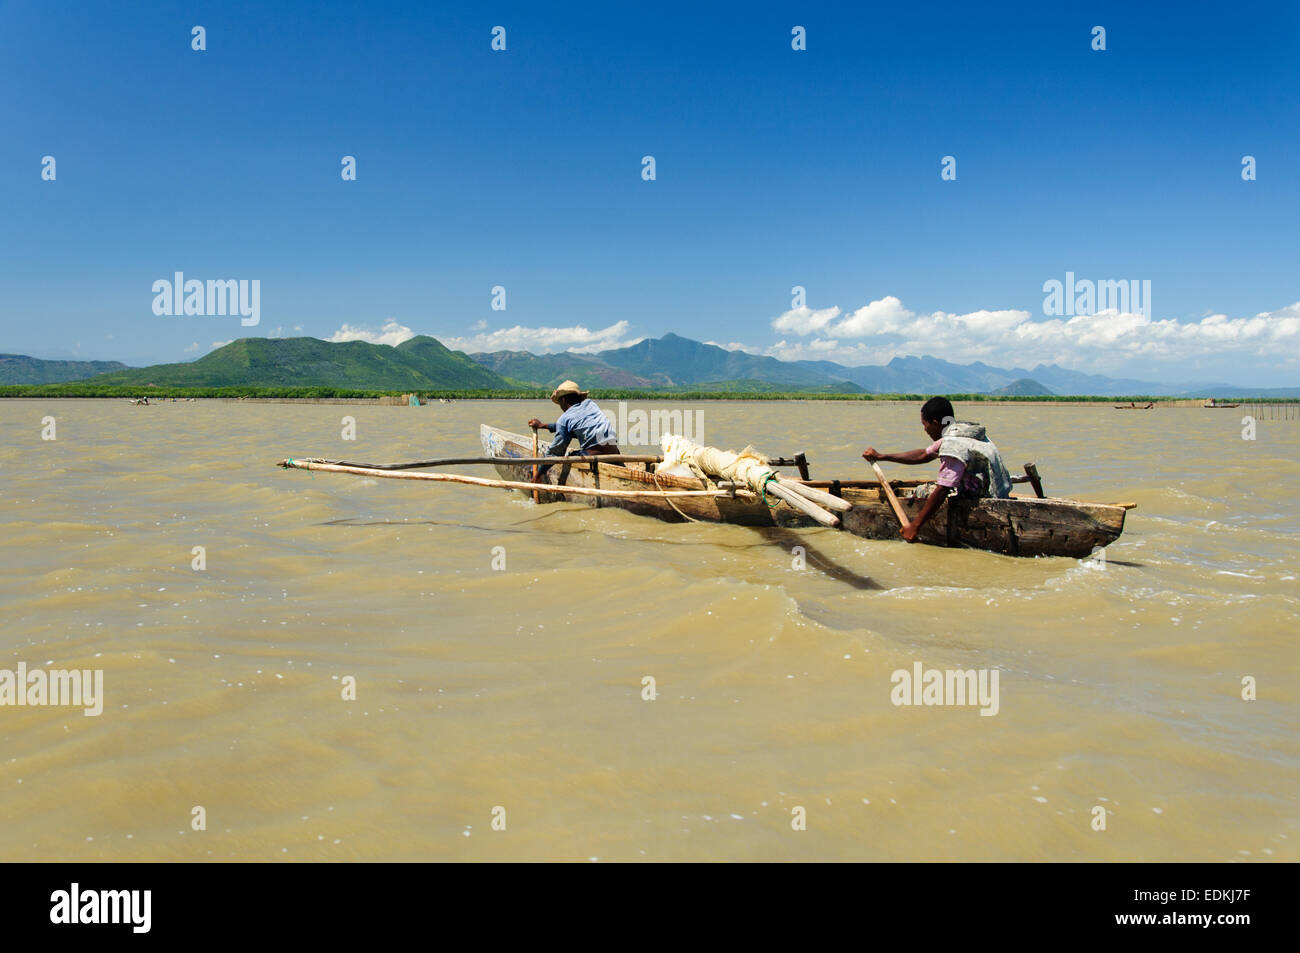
[584, 421]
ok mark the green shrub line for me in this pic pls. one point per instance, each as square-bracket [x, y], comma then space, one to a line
[77, 389]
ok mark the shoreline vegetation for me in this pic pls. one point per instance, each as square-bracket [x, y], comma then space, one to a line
[323, 395]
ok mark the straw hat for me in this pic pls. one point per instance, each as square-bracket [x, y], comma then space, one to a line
[568, 387]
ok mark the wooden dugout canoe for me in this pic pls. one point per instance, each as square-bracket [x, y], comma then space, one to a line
[1019, 526]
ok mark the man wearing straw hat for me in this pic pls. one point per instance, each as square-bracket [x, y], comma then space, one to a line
[581, 418]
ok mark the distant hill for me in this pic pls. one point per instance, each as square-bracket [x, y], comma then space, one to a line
[671, 362]
[1223, 390]
[918, 375]
[549, 370]
[751, 386]
[20, 369]
[935, 375]
[1024, 387]
[1074, 382]
[674, 362]
[421, 362]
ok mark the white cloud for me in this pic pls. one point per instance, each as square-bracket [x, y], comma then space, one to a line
[544, 340]
[297, 328]
[217, 344]
[1012, 337]
[193, 348]
[830, 349]
[391, 334]
[804, 320]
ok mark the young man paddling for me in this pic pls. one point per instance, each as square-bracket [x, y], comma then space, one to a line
[581, 418]
[969, 463]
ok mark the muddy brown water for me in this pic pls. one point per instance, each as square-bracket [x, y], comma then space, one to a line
[521, 687]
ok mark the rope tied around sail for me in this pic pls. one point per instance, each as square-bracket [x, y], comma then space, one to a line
[750, 470]
[748, 467]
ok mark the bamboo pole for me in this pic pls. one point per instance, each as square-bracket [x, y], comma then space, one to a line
[801, 503]
[862, 484]
[520, 461]
[507, 461]
[291, 464]
[889, 492]
[820, 497]
[827, 500]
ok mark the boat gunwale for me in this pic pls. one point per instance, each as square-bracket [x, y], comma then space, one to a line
[854, 494]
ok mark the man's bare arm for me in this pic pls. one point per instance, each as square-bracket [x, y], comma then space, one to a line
[909, 457]
[932, 503]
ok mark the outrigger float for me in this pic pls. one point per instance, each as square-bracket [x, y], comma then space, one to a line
[703, 484]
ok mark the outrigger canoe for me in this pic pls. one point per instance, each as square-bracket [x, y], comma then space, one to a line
[1019, 526]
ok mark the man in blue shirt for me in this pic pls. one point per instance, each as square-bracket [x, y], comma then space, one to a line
[581, 419]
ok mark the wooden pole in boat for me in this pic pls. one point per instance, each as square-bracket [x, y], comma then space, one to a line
[536, 499]
[511, 461]
[292, 464]
[1031, 471]
[801, 498]
[802, 503]
[801, 462]
[889, 492]
[820, 497]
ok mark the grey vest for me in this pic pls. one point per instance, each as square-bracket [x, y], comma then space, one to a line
[969, 443]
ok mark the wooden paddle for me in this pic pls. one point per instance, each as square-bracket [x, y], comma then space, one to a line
[889, 492]
[536, 499]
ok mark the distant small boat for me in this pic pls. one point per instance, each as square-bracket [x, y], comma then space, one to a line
[1211, 404]
[1131, 406]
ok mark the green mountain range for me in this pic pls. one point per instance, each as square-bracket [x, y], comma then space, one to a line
[21, 369]
[670, 364]
[420, 363]
[548, 370]
[675, 361]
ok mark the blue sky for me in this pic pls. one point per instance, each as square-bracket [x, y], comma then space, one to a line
[775, 168]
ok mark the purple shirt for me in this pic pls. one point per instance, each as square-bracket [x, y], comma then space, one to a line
[952, 472]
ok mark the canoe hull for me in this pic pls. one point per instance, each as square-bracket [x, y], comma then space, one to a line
[1014, 527]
